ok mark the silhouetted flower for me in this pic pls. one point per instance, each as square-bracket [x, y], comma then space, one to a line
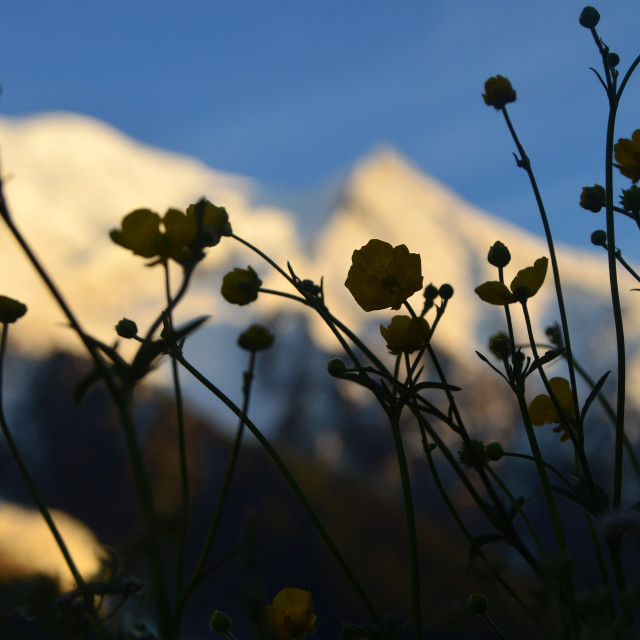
[499, 255]
[240, 286]
[291, 615]
[177, 236]
[11, 310]
[627, 155]
[542, 410]
[498, 92]
[593, 198]
[255, 338]
[589, 17]
[127, 328]
[140, 233]
[405, 334]
[382, 276]
[525, 285]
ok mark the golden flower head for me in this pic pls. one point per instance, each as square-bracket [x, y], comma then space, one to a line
[255, 338]
[542, 410]
[291, 614]
[11, 310]
[240, 286]
[405, 334]
[177, 236]
[498, 92]
[593, 198]
[627, 155]
[382, 276]
[525, 285]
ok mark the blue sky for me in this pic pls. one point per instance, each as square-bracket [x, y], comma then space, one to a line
[294, 92]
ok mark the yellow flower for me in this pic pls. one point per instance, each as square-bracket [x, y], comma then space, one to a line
[183, 237]
[405, 334]
[498, 92]
[627, 155]
[525, 285]
[11, 310]
[140, 233]
[382, 276]
[291, 615]
[543, 411]
[240, 286]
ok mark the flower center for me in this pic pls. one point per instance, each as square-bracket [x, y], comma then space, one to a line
[390, 284]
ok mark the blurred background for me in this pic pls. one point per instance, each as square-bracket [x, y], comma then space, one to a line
[279, 103]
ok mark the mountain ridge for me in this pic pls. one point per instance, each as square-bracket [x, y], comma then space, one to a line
[86, 183]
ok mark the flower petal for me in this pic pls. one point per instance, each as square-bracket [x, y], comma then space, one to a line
[530, 279]
[495, 293]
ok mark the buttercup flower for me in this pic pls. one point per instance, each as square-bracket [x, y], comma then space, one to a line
[240, 286]
[140, 233]
[291, 615]
[499, 255]
[405, 334]
[382, 276]
[592, 198]
[627, 155]
[255, 338]
[183, 237]
[543, 411]
[11, 310]
[525, 285]
[498, 92]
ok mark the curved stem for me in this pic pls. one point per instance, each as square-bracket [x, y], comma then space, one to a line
[226, 484]
[273, 454]
[182, 447]
[42, 508]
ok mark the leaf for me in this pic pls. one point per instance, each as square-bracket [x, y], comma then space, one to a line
[484, 359]
[550, 355]
[481, 541]
[592, 396]
[495, 293]
[436, 385]
[579, 494]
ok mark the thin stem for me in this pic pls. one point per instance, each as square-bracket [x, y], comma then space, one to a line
[525, 164]
[544, 479]
[42, 507]
[411, 523]
[121, 399]
[182, 447]
[226, 483]
[273, 454]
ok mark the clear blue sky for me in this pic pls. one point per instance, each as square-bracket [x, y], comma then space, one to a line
[294, 92]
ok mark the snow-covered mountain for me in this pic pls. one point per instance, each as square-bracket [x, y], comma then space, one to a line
[69, 179]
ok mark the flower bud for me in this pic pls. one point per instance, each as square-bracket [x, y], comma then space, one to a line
[240, 286]
[430, 292]
[599, 238]
[220, 622]
[336, 367]
[445, 291]
[593, 198]
[127, 328]
[255, 338]
[11, 310]
[498, 92]
[613, 59]
[499, 345]
[589, 17]
[494, 451]
[499, 255]
[478, 604]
